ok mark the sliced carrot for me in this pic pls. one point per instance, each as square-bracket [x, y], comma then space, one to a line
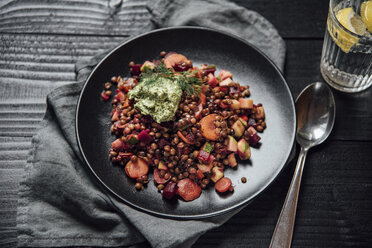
[174, 59]
[208, 128]
[223, 184]
[136, 169]
[188, 190]
[158, 179]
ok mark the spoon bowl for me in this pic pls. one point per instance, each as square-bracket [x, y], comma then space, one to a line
[316, 112]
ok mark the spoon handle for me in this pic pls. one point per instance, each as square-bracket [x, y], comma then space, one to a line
[283, 232]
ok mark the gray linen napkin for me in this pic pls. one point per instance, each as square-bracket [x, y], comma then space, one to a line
[61, 204]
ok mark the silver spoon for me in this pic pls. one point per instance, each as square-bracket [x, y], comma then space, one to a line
[316, 110]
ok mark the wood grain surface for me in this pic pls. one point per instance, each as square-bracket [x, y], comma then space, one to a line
[40, 41]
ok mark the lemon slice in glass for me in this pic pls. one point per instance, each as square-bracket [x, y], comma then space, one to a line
[366, 14]
[352, 22]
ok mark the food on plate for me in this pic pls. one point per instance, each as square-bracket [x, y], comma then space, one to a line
[181, 123]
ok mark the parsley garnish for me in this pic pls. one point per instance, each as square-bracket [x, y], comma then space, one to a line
[187, 80]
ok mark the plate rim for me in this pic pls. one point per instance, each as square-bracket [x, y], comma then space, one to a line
[193, 216]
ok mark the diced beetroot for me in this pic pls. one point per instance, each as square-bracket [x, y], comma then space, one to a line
[224, 89]
[252, 130]
[117, 145]
[211, 159]
[158, 179]
[225, 74]
[203, 157]
[136, 69]
[189, 139]
[212, 81]
[167, 124]
[163, 142]
[104, 96]
[144, 136]
[170, 190]
[182, 66]
[254, 139]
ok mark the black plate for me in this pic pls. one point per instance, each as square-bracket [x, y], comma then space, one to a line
[248, 65]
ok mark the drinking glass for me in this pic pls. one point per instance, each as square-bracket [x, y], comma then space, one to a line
[346, 59]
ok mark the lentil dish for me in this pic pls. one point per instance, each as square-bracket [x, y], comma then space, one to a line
[182, 123]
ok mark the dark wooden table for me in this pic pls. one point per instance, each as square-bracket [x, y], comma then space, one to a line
[40, 41]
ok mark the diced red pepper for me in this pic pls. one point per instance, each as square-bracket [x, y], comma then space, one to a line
[244, 117]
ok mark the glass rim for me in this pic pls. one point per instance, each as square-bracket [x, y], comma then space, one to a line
[342, 26]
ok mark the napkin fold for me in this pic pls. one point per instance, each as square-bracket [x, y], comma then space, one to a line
[61, 204]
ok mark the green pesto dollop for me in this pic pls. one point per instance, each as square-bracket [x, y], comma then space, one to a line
[160, 99]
